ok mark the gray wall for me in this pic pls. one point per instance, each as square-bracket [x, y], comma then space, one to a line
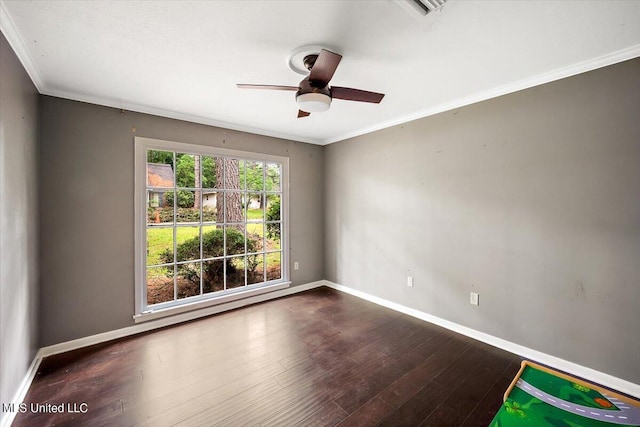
[18, 222]
[87, 211]
[531, 199]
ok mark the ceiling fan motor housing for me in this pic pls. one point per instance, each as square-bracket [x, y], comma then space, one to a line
[313, 99]
[309, 60]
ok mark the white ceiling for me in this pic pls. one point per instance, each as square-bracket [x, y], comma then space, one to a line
[182, 59]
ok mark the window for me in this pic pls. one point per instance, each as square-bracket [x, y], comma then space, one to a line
[210, 225]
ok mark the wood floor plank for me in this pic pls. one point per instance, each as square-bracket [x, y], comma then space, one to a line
[444, 416]
[210, 411]
[455, 408]
[317, 358]
[371, 413]
[309, 387]
[328, 416]
[362, 391]
[171, 405]
[418, 407]
[414, 380]
[486, 408]
[334, 383]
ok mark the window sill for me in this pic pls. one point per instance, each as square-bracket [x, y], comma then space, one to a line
[196, 305]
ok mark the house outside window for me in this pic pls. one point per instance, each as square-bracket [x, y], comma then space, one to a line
[211, 226]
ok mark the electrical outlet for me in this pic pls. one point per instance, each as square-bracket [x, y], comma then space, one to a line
[410, 281]
[474, 298]
[296, 265]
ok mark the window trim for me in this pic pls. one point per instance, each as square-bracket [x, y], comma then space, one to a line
[142, 311]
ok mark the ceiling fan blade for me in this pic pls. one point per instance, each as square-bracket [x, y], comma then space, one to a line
[324, 67]
[351, 94]
[303, 114]
[268, 87]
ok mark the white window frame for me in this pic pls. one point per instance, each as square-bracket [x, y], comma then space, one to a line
[144, 312]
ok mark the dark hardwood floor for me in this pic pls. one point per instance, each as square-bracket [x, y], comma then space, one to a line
[318, 358]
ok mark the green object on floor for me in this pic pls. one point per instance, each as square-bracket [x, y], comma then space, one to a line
[541, 397]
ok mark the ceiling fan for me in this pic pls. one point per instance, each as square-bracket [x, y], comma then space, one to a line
[314, 93]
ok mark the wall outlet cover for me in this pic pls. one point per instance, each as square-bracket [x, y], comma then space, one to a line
[474, 298]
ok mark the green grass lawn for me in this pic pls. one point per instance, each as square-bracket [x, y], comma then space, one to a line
[254, 214]
[161, 239]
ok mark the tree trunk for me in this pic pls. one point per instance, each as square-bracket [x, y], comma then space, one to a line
[231, 180]
[196, 172]
[219, 185]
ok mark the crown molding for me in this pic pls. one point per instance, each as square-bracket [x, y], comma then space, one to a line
[558, 74]
[18, 45]
[106, 102]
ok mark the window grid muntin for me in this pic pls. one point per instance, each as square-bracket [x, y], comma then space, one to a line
[245, 192]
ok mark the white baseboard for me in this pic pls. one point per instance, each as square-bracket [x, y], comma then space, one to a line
[7, 418]
[573, 368]
[172, 320]
[587, 373]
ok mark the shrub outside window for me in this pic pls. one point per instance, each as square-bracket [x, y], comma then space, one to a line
[209, 223]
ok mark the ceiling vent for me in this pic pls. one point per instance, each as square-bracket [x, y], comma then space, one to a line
[420, 8]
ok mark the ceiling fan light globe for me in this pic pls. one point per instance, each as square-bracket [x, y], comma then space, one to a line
[313, 102]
